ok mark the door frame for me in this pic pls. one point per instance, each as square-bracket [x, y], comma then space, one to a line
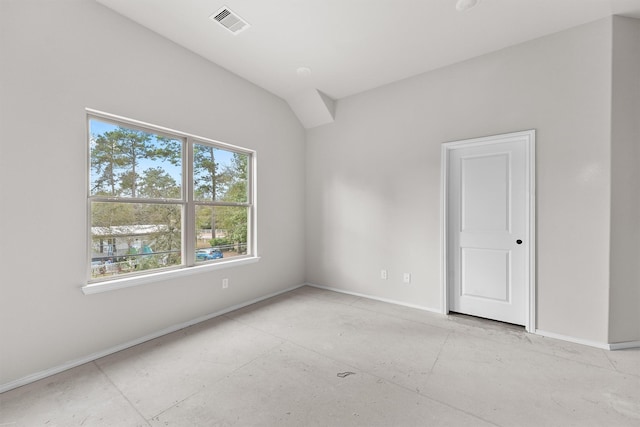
[529, 137]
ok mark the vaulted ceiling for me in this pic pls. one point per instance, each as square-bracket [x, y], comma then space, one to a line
[311, 52]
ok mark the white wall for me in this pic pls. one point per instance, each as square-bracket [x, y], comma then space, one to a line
[373, 176]
[625, 185]
[58, 57]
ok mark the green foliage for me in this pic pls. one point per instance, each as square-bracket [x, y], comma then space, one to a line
[220, 242]
[236, 179]
[205, 172]
[203, 217]
[107, 215]
[117, 157]
[157, 183]
[228, 183]
[106, 159]
[158, 225]
[233, 219]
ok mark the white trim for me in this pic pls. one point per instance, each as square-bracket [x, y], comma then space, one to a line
[530, 138]
[342, 291]
[127, 282]
[531, 184]
[90, 358]
[574, 340]
[624, 345]
[589, 343]
[444, 226]
[596, 344]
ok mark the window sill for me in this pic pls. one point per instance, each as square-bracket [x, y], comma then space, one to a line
[127, 282]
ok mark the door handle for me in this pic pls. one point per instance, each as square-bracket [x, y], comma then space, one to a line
[519, 241]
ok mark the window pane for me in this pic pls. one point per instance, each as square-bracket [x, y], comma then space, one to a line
[230, 237]
[219, 175]
[132, 163]
[132, 237]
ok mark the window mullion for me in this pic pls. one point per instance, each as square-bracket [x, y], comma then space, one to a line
[189, 246]
[216, 203]
[136, 200]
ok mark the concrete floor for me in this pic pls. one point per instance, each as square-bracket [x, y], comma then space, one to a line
[318, 358]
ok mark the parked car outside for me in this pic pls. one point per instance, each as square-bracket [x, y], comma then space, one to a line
[208, 254]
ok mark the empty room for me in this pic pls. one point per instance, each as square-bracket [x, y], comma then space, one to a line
[320, 213]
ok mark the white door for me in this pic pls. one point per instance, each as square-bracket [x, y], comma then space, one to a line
[489, 229]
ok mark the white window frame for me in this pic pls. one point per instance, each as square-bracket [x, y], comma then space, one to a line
[188, 238]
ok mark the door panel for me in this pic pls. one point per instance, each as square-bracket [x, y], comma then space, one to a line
[485, 193]
[486, 274]
[487, 214]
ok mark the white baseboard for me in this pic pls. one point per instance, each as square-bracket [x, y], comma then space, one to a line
[572, 339]
[624, 345]
[342, 291]
[604, 346]
[90, 358]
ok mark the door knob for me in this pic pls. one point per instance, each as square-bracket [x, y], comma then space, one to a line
[519, 241]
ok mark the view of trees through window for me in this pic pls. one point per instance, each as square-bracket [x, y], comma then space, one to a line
[220, 191]
[139, 200]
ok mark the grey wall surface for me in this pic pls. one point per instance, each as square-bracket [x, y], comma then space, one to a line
[373, 176]
[624, 309]
[59, 58]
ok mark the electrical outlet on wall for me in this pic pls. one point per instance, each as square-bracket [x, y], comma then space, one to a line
[406, 278]
[225, 283]
[384, 275]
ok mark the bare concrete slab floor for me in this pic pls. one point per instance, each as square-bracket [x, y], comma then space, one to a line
[318, 358]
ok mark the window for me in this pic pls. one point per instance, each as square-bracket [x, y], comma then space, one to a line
[161, 200]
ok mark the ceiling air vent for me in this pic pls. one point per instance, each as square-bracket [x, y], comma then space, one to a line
[230, 20]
